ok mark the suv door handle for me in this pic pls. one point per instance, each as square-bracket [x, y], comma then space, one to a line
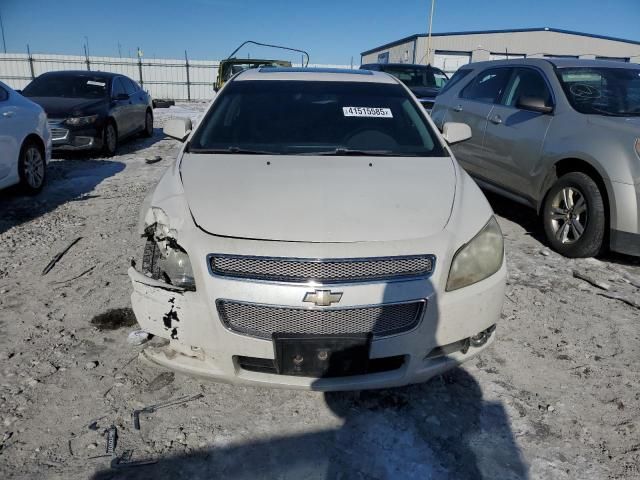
[496, 119]
[457, 108]
[8, 114]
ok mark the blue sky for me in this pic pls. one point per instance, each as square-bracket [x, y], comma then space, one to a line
[331, 30]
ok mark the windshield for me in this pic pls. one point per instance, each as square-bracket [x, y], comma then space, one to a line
[301, 117]
[72, 86]
[602, 91]
[417, 77]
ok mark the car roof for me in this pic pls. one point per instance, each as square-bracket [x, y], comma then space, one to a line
[406, 65]
[84, 73]
[556, 62]
[315, 75]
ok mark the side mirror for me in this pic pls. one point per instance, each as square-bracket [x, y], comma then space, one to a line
[19, 91]
[121, 96]
[454, 132]
[533, 104]
[178, 128]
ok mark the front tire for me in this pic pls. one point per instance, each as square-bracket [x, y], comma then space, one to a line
[110, 139]
[32, 168]
[148, 124]
[574, 216]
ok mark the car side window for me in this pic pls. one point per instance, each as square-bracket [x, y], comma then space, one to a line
[118, 88]
[526, 82]
[129, 86]
[4, 95]
[488, 86]
[459, 75]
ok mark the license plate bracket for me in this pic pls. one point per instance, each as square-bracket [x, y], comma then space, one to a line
[322, 355]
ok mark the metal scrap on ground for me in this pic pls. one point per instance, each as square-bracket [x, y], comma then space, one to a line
[135, 416]
[58, 256]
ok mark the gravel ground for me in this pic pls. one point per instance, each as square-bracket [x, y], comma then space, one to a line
[556, 397]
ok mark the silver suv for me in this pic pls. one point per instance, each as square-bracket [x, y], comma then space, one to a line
[558, 135]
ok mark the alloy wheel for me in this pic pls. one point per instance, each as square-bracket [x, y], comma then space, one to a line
[33, 167]
[569, 215]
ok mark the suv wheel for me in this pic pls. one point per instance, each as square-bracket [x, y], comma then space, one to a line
[32, 168]
[574, 216]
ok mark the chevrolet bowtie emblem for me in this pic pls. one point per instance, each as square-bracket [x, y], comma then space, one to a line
[322, 298]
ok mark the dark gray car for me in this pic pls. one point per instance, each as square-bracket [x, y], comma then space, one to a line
[559, 135]
[91, 110]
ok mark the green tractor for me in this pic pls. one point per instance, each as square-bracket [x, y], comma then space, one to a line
[232, 65]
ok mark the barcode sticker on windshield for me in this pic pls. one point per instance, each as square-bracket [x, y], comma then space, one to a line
[97, 84]
[367, 112]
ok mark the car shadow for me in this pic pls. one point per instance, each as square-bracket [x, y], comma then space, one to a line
[524, 216]
[441, 429]
[528, 219]
[67, 180]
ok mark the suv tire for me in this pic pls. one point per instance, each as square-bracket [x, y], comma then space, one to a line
[574, 216]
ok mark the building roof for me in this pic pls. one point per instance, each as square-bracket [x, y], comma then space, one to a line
[513, 30]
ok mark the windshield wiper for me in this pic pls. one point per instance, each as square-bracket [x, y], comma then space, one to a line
[232, 150]
[341, 151]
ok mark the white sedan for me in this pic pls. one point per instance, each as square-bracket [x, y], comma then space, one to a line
[25, 142]
[317, 232]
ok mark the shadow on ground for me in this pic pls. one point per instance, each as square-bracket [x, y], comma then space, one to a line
[524, 216]
[528, 219]
[442, 429]
[67, 180]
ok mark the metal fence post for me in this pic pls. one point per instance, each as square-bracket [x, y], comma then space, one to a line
[33, 76]
[186, 63]
[86, 57]
[140, 67]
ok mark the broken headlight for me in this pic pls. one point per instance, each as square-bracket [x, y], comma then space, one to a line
[169, 263]
[478, 259]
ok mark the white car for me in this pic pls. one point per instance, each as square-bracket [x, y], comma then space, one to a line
[316, 232]
[25, 142]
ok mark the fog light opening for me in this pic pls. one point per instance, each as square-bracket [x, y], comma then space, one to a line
[481, 338]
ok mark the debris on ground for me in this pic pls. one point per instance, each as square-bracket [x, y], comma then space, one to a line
[589, 279]
[138, 337]
[135, 416]
[59, 256]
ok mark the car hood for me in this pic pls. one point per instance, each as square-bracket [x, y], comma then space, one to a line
[61, 107]
[425, 92]
[319, 199]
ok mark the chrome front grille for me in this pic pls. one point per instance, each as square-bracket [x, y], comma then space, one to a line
[302, 270]
[262, 321]
[59, 133]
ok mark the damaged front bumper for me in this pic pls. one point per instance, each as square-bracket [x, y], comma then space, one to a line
[200, 345]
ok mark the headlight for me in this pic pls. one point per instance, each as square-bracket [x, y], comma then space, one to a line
[78, 121]
[478, 259]
[177, 267]
[168, 263]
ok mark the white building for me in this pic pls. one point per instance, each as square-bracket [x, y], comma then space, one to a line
[451, 50]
